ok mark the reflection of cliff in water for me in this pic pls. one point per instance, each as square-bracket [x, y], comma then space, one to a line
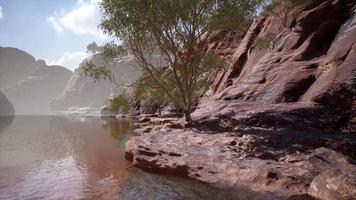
[7, 112]
[43, 155]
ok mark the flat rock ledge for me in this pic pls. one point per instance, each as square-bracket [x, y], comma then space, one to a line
[287, 164]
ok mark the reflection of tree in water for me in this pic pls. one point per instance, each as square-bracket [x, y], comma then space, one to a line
[118, 129]
[92, 142]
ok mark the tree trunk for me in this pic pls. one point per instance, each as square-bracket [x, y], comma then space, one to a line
[188, 118]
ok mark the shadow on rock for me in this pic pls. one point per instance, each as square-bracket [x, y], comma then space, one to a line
[7, 112]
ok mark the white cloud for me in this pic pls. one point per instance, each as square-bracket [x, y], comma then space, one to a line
[84, 19]
[1, 15]
[69, 60]
[55, 24]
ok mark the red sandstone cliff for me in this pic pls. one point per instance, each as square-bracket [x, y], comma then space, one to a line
[307, 78]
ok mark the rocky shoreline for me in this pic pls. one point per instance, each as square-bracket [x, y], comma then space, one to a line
[284, 163]
[280, 121]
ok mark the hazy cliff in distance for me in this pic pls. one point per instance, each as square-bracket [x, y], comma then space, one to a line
[30, 84]
[83, 92]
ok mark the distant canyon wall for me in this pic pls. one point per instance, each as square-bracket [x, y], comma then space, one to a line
[30, 84]
[33, 87]
[83, 92]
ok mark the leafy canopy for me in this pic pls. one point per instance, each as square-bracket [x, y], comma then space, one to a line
[93, 47]
[178, 32]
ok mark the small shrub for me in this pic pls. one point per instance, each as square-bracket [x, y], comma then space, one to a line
[119, 103]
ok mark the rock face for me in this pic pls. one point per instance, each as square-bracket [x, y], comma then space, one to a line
[281, 163]
[311, 69]
[15, 65]
[6, 112]
[81, 91]
[278, 120]
[6, 108]
[29, 84]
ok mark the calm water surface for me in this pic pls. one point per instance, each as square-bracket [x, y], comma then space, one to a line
[61, 157]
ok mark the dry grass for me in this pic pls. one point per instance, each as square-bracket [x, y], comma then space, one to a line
[329, 66]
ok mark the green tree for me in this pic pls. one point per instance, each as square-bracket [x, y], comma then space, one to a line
[93, 47]
[177, 31]
[106, 54]
[118, 103]
[283, 9]
[146, 89]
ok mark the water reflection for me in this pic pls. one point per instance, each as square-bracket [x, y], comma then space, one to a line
[83, 158]
[62, 158]
[117, 130]
[5, 121]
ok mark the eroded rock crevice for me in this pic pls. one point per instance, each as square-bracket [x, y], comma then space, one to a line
[294, 92]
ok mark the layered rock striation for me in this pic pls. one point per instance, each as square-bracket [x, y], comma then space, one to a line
[308, 75]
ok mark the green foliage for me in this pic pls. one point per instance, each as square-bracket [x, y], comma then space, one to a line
[108, 51]
[283, 9]
[266, 42]
[146, 89]
[178, 32]
[111, 51]
[119, 103]
[96, 72]
[140, 18]
[93, 47]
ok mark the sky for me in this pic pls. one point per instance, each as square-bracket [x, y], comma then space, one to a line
[57, 31]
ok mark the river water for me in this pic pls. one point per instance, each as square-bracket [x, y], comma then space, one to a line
[68, 157]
